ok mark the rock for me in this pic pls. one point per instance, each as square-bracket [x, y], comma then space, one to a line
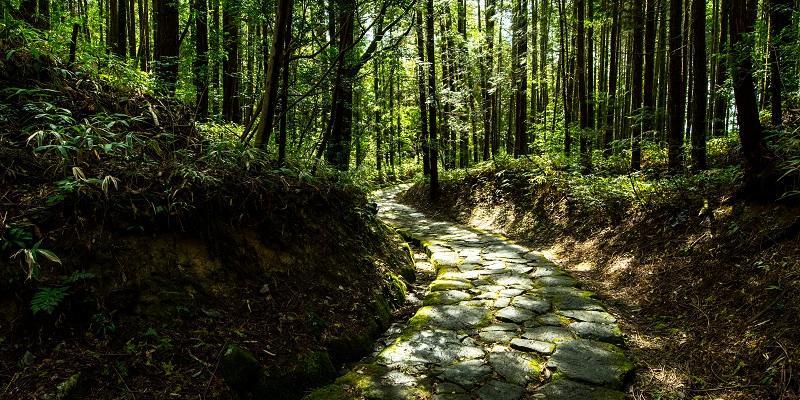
[448, 284]
[239, 369]
[552, 319]
[497, 390]
[466, 373]
[552, 334]
[502, 326]
[446, 297]
[602, 332]
[556, 280]
[448, 388]
[502, 302]
[517, 368]
[564, 389]
[537, 305]
[532, 345]
[590, 361]
[27, 359]
[514, 281]
[514, 314]
[601, 317]
[497, 336]
[440, 347]
[571, 302]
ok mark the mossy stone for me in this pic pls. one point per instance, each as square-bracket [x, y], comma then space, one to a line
[239, 369]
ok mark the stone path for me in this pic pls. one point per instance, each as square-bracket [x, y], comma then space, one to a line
[500, 322]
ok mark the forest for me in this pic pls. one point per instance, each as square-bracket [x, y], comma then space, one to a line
[400, 199]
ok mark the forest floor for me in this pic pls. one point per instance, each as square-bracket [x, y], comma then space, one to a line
[500, 322]
[705, 286]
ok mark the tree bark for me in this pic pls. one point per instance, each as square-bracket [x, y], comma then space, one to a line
[700, 86]
[759, 172]
[434, 144]
[231, 111]
[780, 17]
[423, 96]
[166, 46]
[636, 88]
[676, 89]
[519, 63]
[201, 59]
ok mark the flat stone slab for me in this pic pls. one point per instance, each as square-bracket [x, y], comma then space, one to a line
[533, 345]
[532, 303]
[600, 317]
[603, 332]
[498, 390]
[514, 314]
[466, 373]
[552, 334]
[445, 297]
[591, 361]
[564, 389]
[516, 367]
[448, 284]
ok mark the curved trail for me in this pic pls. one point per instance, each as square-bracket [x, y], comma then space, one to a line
[500, 322]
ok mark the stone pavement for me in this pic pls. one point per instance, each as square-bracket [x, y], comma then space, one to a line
[500, 322]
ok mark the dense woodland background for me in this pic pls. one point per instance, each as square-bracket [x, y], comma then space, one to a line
[655, 141]
[374, 85]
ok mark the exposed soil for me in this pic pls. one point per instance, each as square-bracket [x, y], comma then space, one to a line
[706, 288]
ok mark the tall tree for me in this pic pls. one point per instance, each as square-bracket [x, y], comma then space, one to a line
[166, 48]
[434, 144]
[780, 17]
[759, 172]
[201, 59]
[676, 93]
[608, 135]
[489, 102]
[649, 94]
[580, 81]
[519, 63]
[269, 102]
[230, 65]
[700, 85]
[721, 74]
[423, 95]
[636, 88]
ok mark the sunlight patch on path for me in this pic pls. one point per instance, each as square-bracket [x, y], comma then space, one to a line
[500, 322]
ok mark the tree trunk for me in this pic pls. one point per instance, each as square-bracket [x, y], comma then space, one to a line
[166, 46]
[676, 94]
[270, 101]
[759, 173]
[489, 102]
[613, 74]
[721, 74]
[434, 144]
[284, 97]
[338, 149]
[636, 88]
[201, 59]
[700, 86]
[132, 28]
[231, 111]
[780, 16]
[580, 82]
[520, 54]
[648, 112]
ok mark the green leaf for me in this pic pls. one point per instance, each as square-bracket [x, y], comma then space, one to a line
[47, 299]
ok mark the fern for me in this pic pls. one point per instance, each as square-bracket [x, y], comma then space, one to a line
[47, 299]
